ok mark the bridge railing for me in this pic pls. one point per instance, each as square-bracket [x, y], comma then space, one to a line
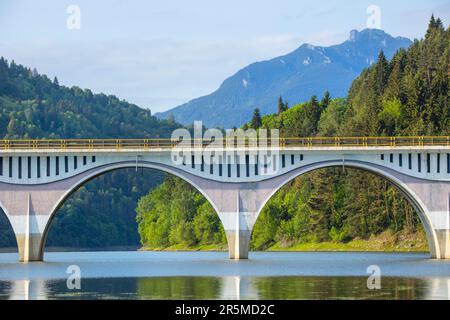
[155, 143]
[398, 141]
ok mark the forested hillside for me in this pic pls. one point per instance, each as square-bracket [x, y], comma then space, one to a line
[102, 213]
[408, 95]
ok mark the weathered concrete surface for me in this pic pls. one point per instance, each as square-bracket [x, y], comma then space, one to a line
[238, 243]
[30, 247]
[443, 239]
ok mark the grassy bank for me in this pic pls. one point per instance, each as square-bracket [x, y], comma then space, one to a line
[385, 242]
[180, 247]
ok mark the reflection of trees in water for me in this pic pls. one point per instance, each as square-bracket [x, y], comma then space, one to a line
[229, 287]
[179, 288]
[289, 288]
[94, 288]
[339, 288]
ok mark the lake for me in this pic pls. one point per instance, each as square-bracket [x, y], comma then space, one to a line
[211, 275]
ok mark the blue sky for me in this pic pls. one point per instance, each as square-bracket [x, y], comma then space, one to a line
[159, 54]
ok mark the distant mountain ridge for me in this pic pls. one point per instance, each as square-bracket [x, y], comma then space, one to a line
[295, 76]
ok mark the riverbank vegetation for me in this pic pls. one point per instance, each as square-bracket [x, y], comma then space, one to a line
[386, 241]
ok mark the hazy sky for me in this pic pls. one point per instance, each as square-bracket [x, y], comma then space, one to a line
[159, 54]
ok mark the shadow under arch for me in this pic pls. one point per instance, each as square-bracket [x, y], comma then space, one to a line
[96, 172]
[6, 229]
[384, 173]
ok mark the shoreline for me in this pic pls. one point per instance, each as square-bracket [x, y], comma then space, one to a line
[420, 250]
[384, 242]
[315, 247]
[381, 243]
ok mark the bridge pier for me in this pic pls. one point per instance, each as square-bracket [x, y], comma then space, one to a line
[30, 247]
[29, 209]
[238, 243]
[238, 207]
[443, 239]
[435, 198]
[238, 229]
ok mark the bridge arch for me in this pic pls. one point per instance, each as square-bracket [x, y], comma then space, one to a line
[386, 174]
[98, 171]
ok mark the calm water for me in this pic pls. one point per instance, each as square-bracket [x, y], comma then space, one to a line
[211, 275]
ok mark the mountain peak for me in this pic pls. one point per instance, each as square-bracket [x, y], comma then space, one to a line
[353, 35]
[356, 35]
[372, 34]
[308, 70]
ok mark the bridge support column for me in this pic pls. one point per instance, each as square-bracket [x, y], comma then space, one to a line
[238, 229]
[238, 243]
[443, 240]
[435, 198]
[238, 206]
[29, 231]
[30, 247]
[28, 212]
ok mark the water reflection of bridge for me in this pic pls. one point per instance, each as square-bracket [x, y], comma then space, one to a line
[28, 290]
[237, 287]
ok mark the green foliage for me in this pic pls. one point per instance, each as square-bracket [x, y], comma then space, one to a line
[332, 205]
[175, 214]
[390, 115]
[207, 225]
[300, 120]
[332, 118]
[32, 106]
[282, 106]
[256, 120]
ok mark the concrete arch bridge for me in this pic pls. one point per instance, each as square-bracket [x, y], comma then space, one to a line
[36, 176]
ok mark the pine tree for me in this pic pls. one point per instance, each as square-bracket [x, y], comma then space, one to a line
[381, 74]
[325, 100]
[282, 106]
[313, 101]
[256, 120]
[432, 23]
[439, 25]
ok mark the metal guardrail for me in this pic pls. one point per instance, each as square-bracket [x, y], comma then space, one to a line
[399, 141]
[160, 143]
